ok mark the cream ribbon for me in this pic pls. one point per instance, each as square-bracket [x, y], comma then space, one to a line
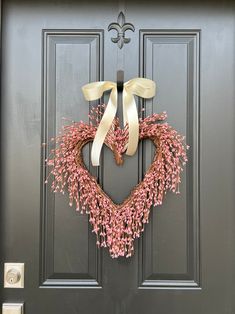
[141, 87]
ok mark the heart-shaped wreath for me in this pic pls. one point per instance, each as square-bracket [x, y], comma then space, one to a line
[117, 225]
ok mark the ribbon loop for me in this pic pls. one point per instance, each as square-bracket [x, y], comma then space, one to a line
[141, 87]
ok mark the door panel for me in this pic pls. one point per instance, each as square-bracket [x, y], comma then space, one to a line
[184, 261]
[172, 258]
[68, 251]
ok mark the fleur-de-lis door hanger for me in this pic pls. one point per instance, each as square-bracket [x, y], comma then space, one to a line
[121, 27]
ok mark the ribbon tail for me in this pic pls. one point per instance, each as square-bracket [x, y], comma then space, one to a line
[103, 128]
[131, 116]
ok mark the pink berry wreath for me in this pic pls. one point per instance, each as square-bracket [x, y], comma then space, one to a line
[117, 225]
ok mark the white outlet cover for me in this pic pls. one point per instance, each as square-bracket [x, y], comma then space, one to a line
[12, 308]
[20, 268]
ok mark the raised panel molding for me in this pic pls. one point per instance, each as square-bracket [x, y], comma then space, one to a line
[165, 53]
[70, 58]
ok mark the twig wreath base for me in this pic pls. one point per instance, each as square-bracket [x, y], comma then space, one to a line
[117, 225]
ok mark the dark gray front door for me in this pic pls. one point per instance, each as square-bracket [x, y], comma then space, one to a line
[185, 260]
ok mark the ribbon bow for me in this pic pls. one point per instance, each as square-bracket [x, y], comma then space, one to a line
[142, 87]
